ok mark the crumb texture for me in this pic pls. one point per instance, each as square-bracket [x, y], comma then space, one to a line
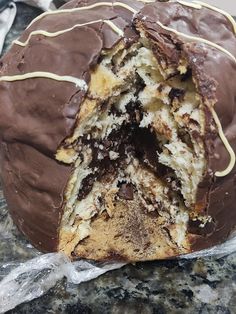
[138, 158]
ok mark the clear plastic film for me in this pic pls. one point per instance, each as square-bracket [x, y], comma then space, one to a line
[35, 277]
[44, 5]
[7, 16]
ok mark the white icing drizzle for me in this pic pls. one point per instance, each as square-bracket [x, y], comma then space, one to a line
[125, 6]
[190, 4]
[114, 27]
[227, 146]
[109, 4]
[199, 39]
[146, 1]
[58, 33]
[226, 14]
[78, 82]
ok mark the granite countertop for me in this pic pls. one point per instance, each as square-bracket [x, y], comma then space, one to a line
[178, 286]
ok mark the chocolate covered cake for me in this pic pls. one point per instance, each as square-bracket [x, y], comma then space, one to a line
[118, 129]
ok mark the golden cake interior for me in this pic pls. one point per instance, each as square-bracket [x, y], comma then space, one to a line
[138, 158]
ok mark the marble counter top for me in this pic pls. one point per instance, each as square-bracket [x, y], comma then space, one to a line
[196, 286]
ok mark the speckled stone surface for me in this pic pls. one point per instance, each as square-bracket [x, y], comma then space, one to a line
[197, 286]
[200, 286]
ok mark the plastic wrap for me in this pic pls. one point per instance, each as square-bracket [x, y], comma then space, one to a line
[44, 5]
[6, 20]
[8, 15]
[35, 277]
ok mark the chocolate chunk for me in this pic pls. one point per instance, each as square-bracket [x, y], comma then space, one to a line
[86, 186]
[197, 227]
[186, 76]
[176, 93]
[126, 191]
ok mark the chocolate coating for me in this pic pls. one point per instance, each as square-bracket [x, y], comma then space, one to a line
[33, 200]
[36, 115]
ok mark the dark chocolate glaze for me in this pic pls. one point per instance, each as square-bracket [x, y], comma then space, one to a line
[34, 200]
[215, 75]
[126, 191]
[36, 115]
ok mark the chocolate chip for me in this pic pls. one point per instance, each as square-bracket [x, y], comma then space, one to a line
[126, 191]
[194, 227]
[176, 93]
[186, 76]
